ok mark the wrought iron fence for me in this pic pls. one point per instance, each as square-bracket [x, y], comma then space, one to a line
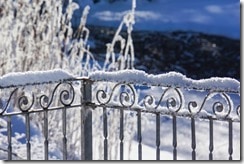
[85, 96]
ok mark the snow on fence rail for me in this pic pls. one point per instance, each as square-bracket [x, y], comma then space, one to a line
[58, 103]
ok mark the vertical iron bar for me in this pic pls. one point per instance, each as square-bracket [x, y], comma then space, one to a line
[121, 136]
[46, 134]
[174, 138]
[64, 134]
[9, 138]
[230, 140]
[28, 145]
[193, 139]
[211, 146]
[86, 116]
[105, 133]
[88, 135]
[139, 137]
[82, 131]
[158, 136]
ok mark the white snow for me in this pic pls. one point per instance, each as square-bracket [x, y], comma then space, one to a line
[168, 79]
[23, 78]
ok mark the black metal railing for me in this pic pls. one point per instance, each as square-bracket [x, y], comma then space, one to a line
[88, 96]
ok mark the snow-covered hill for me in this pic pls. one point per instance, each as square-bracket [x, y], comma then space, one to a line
[195, 54]
[220, 17]
[197, 38]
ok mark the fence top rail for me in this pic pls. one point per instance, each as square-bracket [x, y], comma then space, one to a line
[18, 79]
[222, 93]
[170, 79]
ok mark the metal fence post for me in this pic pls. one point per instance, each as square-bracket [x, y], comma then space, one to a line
[87, 120]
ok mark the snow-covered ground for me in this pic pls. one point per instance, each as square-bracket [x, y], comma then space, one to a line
[220, 17]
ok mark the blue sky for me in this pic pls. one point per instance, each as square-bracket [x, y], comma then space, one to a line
[220, 17]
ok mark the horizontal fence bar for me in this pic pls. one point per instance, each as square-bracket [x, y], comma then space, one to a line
[167, 86]
[92, 105]
[168, 113]
[41, 110]
[43, 83]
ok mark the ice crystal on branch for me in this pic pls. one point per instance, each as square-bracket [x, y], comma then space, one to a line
[125, 58]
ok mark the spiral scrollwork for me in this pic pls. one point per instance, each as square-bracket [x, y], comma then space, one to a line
[172, 97]
[149, 102]
[219, 108]
[126, 95]
[175, 100]
[192, 106]
[25, 102]
[44, 101]
[3, 107]
[66, 96]
[238, 111]
[171, 103]
[101, 97]
[125, 99]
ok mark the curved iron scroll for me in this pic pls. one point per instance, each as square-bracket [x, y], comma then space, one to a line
[173, 100]
[24, 101]
[126, 93]
[66, 97]
[172, 96]
[219, 109]
[214, 104]
[3, 108]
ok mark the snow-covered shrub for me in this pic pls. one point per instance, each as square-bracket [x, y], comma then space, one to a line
[38, 35]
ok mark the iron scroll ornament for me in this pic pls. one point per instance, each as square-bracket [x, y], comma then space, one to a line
[174, 102]
[218, 107]
[4, 108]
[66, 97]
[25, 101]
[127, 97]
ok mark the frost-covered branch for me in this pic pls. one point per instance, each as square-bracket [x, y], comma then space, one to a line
[39, 31]
[126, 55]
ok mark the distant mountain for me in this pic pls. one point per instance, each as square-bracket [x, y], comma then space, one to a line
[217, 17]
[197, 55]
